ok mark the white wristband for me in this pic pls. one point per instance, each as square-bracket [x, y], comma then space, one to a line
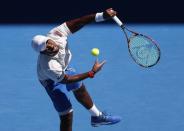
[99, 17]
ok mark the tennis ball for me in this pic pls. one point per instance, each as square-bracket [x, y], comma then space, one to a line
[95, 51]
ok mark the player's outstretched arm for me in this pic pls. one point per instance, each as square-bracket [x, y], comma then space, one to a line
[96, 68]
[77, 24]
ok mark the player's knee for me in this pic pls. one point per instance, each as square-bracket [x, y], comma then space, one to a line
[66, 117]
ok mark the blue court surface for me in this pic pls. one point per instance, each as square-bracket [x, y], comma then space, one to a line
[147, 99]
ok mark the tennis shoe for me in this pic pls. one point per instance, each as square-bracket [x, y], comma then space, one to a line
[104, 119]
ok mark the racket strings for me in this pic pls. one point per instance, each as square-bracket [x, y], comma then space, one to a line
[143, 50]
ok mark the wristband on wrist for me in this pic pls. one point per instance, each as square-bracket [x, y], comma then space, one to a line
[99, 17]
[91, 74]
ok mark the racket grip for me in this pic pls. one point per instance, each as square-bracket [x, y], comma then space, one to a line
[117, 20]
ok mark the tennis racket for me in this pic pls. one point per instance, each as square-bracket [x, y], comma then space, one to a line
[144, 50]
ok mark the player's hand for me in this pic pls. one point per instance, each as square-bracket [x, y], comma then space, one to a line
[109, 13]
[98, 66]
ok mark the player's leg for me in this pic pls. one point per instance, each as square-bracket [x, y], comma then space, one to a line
[97, 118]
[61, 102]
[64, 108]
[66, 122]
[83, 97]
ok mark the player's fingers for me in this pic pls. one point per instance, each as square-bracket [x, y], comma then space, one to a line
[115, 13]
[112, 13]
[102, 63]
[110, 9]
[96, 60]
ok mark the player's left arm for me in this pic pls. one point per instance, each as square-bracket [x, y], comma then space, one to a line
[76, 24]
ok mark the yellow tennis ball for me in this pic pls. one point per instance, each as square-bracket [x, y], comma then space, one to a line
[95, 51]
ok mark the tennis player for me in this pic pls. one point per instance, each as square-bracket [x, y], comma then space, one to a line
[59, 79]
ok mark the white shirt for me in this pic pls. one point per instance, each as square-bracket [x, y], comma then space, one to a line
[53, 67]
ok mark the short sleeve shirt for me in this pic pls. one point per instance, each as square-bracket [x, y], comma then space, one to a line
[53, 67]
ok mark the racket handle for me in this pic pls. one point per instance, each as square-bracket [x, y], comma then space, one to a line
[117, 20]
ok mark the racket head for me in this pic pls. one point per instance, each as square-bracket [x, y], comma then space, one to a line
[144, 50]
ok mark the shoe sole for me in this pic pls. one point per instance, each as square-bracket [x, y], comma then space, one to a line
[105, 123]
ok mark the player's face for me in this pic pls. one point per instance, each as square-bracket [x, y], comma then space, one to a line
[51, 48]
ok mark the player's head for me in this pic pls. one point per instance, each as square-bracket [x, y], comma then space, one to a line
[44, 45]
[39, 43]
